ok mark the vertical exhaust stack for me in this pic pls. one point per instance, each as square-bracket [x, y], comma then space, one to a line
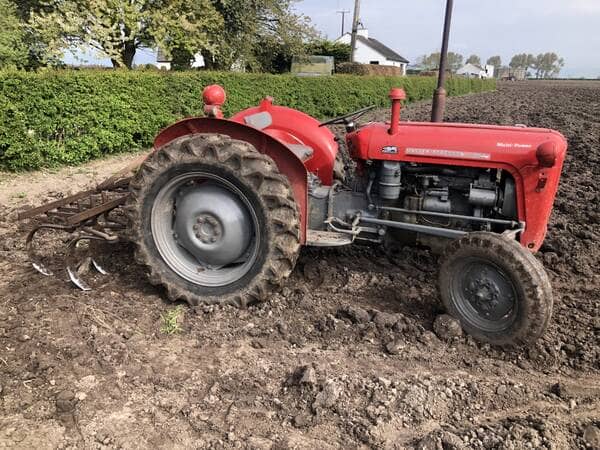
[396, 96]
[439, 97]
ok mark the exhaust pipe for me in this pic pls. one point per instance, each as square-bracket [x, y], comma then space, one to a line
[439, 97]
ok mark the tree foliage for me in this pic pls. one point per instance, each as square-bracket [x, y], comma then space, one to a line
[547, 65]
[116, 28]
[522, 61]
[339, 51]
[261, 34]
[13, 49]
[495, 61]
[432, 61]
[474, 59]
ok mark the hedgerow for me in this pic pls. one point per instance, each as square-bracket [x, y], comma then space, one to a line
[60, 117]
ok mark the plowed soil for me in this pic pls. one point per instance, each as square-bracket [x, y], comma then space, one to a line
[344, 356]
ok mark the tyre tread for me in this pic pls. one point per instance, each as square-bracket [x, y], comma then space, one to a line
[248, 165]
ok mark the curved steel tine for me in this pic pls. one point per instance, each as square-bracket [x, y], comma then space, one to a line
[69, 257]
[98, 267]
[33, 259]
[41, 268]
[77, 281]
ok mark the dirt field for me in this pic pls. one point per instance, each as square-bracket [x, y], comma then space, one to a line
[343, 357]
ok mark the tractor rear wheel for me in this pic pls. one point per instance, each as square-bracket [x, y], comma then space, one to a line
[497, 289]
[213, 221]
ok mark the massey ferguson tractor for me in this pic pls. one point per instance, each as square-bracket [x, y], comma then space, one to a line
[220, 208]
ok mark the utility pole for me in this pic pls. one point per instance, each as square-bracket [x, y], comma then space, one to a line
[343, 12]
[355, 22]
[439, 97]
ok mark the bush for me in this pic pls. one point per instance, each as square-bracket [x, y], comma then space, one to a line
[68, 117]
[353, 68]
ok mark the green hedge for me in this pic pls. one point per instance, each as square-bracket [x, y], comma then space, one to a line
[68, 117]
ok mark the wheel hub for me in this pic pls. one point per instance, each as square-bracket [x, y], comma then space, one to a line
[485, 294]
[212, 224]
[208, 229]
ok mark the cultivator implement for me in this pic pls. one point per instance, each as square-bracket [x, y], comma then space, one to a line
[85, 216]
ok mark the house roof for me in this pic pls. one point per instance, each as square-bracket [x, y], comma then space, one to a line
[382, 49]
[470, 67]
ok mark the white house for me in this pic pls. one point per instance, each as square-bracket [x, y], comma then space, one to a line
[473, 71]
[371, 51]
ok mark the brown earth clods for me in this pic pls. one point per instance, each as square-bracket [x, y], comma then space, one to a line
[348, 355]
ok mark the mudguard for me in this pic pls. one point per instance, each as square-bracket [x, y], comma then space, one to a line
[315, 145]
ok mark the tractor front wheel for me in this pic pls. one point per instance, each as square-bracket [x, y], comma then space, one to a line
[497, 289]
[213, 221]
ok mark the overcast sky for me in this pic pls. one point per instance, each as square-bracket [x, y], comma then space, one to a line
[570, 28]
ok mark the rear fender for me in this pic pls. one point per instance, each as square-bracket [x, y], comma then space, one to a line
[287, 162]
[295, 128]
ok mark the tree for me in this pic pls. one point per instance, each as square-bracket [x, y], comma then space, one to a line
[339, 51]
[13, 49]
[495, 61]
[547, 65]
[116, 28]
[432, 61]
[475, 60]
[522, 61]
[263, 34]
[37, 47]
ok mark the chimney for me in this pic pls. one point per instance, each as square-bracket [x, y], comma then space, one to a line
[363, 32]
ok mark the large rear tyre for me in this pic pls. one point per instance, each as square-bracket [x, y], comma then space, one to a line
[213, 221]
[497, 289]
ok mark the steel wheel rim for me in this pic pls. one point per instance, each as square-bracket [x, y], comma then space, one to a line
[164, 219]
[484, 295]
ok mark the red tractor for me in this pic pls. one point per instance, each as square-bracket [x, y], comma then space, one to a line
[220, 208]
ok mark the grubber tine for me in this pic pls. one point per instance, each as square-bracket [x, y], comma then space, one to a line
[72, 264]
[98, 267]
[33, 257]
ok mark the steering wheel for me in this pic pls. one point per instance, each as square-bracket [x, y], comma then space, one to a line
[347, 118]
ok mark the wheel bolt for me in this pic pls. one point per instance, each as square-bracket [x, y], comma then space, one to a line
[200, 220]
[195, 227]
[213, 239]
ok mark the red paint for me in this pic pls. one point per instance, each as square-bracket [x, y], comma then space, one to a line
[213, 97]
[396, 96]
[287, 163]
[513, 149]
[290, 126]
[546, 154]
